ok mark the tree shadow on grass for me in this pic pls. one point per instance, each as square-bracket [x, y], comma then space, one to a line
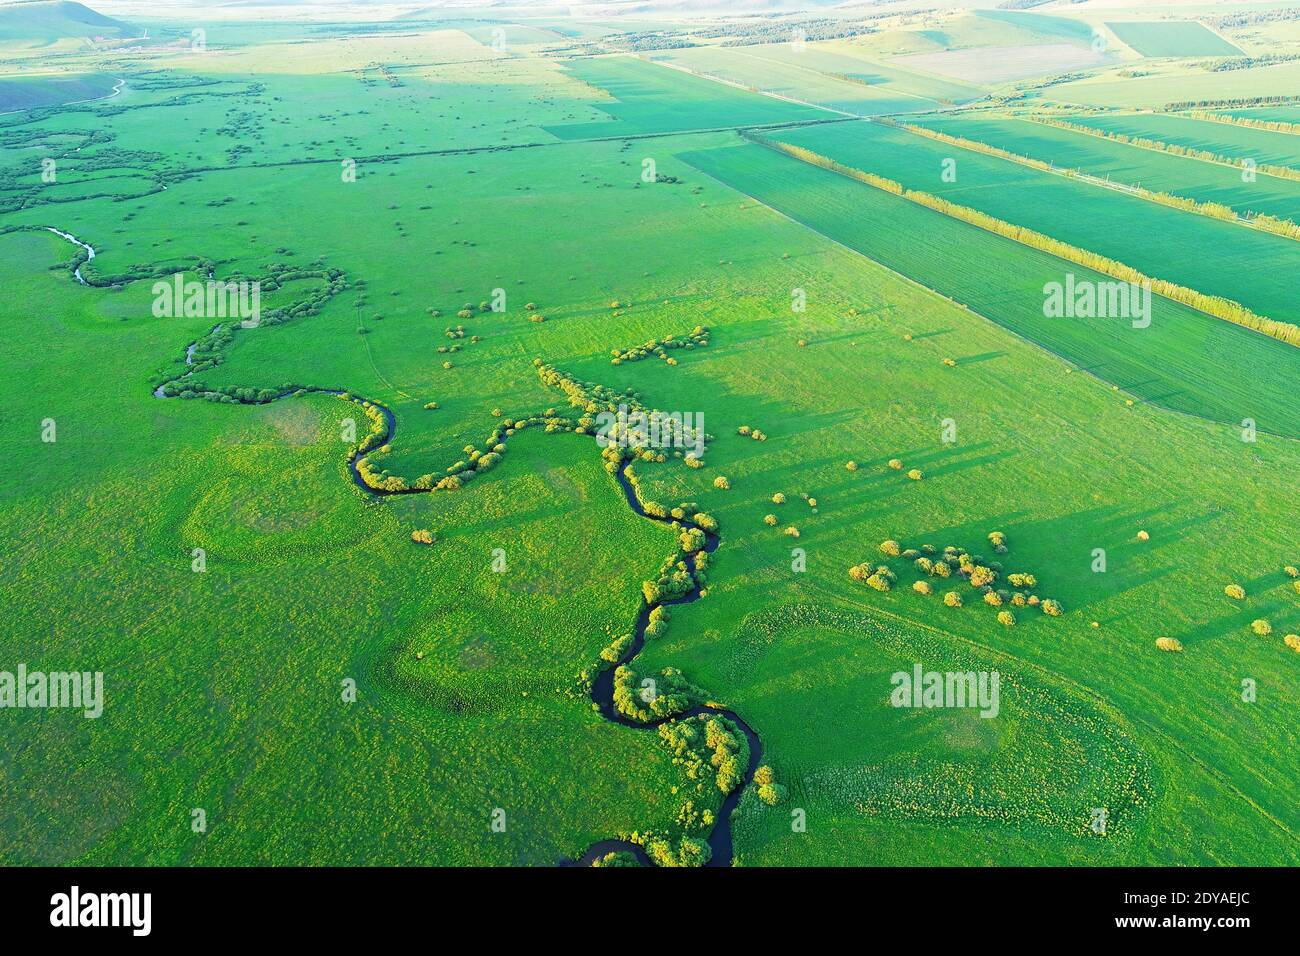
[1265, 582]
[1235, 623]
[981, 357]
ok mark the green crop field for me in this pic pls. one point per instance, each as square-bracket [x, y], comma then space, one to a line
[1213, 256]
[1157, 84]
[326, 340]
[1223, 139]
[795, 76]
[1163, 364]
[1176, 38]
[30, 92]
[1126, 163]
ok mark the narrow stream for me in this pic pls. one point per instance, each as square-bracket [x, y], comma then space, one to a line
[90, 250]
[602, 690]
[602, 694]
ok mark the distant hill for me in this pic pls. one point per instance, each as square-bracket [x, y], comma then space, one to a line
[43, 22]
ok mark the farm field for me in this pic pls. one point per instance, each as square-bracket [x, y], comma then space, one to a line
[803, 79]
[1161, 85]
[1269, 114]
[1127, 164]
[640, 97]
[1173, 38]
[1223, 139]
[30, 92]
[1166, 364]
[994, 65]
[844, 59]
[1214, 257]
[371, 579]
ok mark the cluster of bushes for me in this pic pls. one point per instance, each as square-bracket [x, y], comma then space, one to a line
[930, 561]
[1228, 64]
[690, 851]
[614, 651]
[1243, 18]
[754, 433]
[916, 474]
[1212, 305]
[755, 30]
[697, 337]
[457, 475]
[422, 536]
[673, 694]
[708, 745]
[769, 791]
[657, 624]
[1238, 102]
[676, 576]
[1170, 644]
[593, 399]
[875, 576]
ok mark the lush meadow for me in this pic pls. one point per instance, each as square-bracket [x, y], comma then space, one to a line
[337, 677]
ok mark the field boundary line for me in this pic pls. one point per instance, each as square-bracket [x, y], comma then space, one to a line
[841, 77]
[477, 150]
[752, 89]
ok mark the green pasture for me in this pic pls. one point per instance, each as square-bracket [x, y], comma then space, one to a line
[845, 324]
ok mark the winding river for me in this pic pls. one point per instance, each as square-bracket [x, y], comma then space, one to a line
[602, 690]
[602, 694]
[90, 250]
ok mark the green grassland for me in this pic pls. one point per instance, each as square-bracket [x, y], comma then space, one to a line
[1124, 163]
[1212, 256]
[223, 687]
[1043, 26]
[1173, 38]
[960, 29]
